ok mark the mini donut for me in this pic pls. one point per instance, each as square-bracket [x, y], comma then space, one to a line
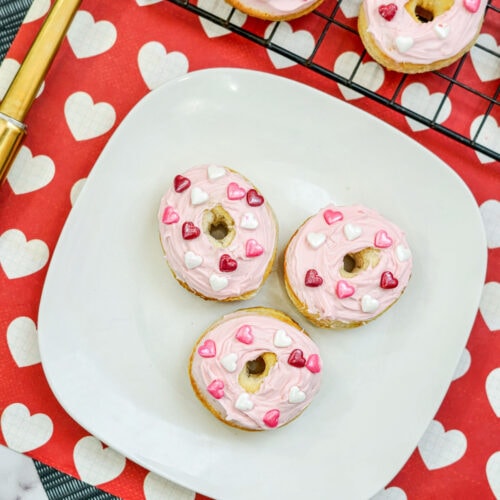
[255, 369]
[218, 233]
[414, 36]
[345, 266]
[275, 10]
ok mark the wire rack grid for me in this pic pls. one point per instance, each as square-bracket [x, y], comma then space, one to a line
[478, 136]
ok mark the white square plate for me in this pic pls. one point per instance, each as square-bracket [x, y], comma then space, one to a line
[116, 329]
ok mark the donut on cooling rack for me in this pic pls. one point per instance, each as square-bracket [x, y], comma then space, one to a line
[275, 10]
[414, 36]
[218, 233]
[255, 369]
[345, 266]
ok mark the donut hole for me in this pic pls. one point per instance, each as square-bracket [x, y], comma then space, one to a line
[355, 263]
[255, 371]
[424, 11]
[218, 225]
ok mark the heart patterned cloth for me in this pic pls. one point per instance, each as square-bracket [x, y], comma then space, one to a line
[113, 55]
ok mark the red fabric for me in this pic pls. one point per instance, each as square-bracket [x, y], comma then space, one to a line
[114, 77]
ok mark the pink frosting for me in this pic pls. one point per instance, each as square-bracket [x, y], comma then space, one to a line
[241, 337]
[321, 243]
[192, 255]
[279, 7]
[406, 40]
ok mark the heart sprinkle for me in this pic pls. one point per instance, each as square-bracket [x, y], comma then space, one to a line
[207, 349]
[281, 339]
[403, 253]
[388, 11]
[198, 196]
[253, 248]
[332, 216]
[229, 362]
[316, 239]
[369, 304]
[352, 231]
[297, 359]
[214, 172]
[472, 5]
[249, 221]
[216, 388]
[254, 199]
[227, 264]
[235, 192]
[295, 395]
[244, 403]
[170, 216]
[442, 30]
[382, 239]
[312, 278]
[404, 43]
[244, 334]
[387, 280]
[192, 260]
[181, 183]
[313, 363]
[344, 290]
[271, 418]
[190, 231]
[218, 283]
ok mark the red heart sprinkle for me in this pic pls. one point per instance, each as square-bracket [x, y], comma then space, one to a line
[387, 280]
[297, 359]
[271, 418]
[388, 11]
[181, 183]
[190, 231]
[254, 199]
[313, 278]
[216, 388]
[227, 264]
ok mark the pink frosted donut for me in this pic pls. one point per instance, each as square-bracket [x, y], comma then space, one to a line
[413, 36]
[218, 233]
[275, 10]
[255, 369]
[346, 265]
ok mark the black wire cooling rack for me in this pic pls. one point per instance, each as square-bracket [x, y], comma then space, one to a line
[479, 136]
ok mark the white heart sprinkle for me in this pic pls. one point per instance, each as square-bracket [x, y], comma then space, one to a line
[442, 30]
[192, 260]
[316, 239]
[215, 172]
[296, 395]
[404, 43]
[352, 231]
[249, 221]
[369, 304]
[218, 283]
[244, 403]
[281, 339]
[229, 362]
[198, 196]
[403, 253]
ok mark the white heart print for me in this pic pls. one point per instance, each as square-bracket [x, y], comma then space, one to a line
[96, 464]
[490, 212]
[489, 305]
[486, 63]
[350, 8]
[87, 37]
[143, 3]
[25, 432]
[493, 473]
[300, 42]
[19, 257]
[492, 387]
[368, 74]
[87, 120]
[439, 448]
[489, 136]
[463, 365]
[391, 493]
[158, 488]
[220, 9]
[157, 66]
[37, 10]
[76, 190]
[29, 173]
[8, 71]
[417, 98]
[22, 339]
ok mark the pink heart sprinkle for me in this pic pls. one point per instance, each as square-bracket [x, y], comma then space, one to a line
[382, 239]
[344, 290]
[244, 334]
[253, 249]
[472, 5]
[216, 388]
[332, 216]
[271, 418]
[170, 216]
[207, 349]
[235, 192]
[313, 363]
